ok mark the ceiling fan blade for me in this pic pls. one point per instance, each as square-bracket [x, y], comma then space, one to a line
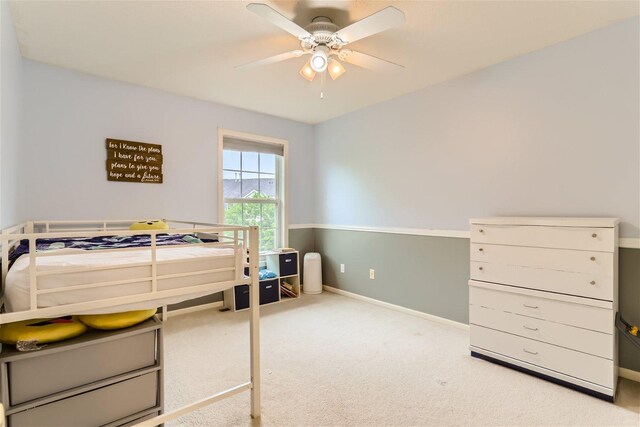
[273, 59]
[383, 20]
[278, 19]
[367, 61]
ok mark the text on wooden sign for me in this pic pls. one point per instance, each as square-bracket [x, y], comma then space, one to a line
[131, 161]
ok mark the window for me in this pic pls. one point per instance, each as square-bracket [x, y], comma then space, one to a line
[252, 186]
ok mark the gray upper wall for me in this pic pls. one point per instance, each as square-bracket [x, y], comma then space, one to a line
[11, 125]
[70, 114]
[554, 132]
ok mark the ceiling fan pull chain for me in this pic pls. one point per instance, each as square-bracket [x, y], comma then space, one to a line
[323, 78]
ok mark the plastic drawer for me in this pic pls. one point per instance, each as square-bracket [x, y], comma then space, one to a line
[96, 407]
[54, 372]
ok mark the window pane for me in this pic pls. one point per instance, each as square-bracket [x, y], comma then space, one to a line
[231, 159]
[250, 185]
[231, 175]
[250, 162]
[247, 176]
[268, 186]
[267, 239]
[251, 214]
[231, 184]
[233, 213]
[268, 216]
[267, 163]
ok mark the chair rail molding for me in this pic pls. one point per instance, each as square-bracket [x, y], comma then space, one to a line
[624, 242]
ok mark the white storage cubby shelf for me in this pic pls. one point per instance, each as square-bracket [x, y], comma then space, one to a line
[543, 296]
[287, 267]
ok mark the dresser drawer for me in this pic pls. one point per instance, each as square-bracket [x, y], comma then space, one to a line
[573, 363]
[96, 407]
[564, 282]
[586, 341]
[579, 315]
[580, 238]
[591, 262]
[54, 372]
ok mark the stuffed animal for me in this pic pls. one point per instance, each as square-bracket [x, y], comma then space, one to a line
[152, 224]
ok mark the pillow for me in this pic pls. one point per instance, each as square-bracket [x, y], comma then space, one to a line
[41, 331]
[116, 320]
[154, 224]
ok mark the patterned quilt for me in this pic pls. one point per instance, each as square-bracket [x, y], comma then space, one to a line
[105, 242]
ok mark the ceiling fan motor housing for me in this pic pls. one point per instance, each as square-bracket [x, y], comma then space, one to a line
[322, 31]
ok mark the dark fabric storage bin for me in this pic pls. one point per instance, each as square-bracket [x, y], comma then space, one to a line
[288, 264]
[241, 296]
[269, 291]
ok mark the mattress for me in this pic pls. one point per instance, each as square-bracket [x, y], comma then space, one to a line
[114, 266]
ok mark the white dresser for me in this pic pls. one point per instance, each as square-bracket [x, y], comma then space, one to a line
[543, 296]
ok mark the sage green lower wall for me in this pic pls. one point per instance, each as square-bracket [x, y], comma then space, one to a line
[302, 240]
[424, 273]
[629, 303]
[427, 274]
[430, 274]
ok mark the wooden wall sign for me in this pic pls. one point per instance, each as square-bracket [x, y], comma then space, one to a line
[130, 161]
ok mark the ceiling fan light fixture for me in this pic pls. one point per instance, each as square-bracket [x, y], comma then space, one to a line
[307, 72]
[319, 60]
[336, 69]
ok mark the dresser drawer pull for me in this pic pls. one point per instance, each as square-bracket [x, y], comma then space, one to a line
[594, 235]
[530, 306]
[530, 352]
[287, 260]
[593, 258]
[593, 282]
[528, 328]
[481, 249]
[481, 230]
[480, 268]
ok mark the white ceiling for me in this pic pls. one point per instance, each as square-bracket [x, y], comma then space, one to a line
[191, 48]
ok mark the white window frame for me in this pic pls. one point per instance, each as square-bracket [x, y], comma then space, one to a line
[282, 189]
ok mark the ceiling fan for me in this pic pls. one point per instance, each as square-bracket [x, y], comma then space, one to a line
[325, 41]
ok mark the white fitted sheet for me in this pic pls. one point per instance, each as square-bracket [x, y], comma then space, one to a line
[121, 266]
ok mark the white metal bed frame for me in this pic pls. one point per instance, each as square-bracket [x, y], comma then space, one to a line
[243, 239]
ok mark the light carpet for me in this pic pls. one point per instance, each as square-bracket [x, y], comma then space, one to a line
[331, 360]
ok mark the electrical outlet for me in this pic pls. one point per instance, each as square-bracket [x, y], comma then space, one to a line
[341, 268]
[372, 274]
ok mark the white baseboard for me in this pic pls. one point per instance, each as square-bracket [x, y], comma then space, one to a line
[195, 308]
[623, 372]
[629, 374]
[397, 307]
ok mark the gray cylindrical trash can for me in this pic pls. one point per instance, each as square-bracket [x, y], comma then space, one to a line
[312, 273]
